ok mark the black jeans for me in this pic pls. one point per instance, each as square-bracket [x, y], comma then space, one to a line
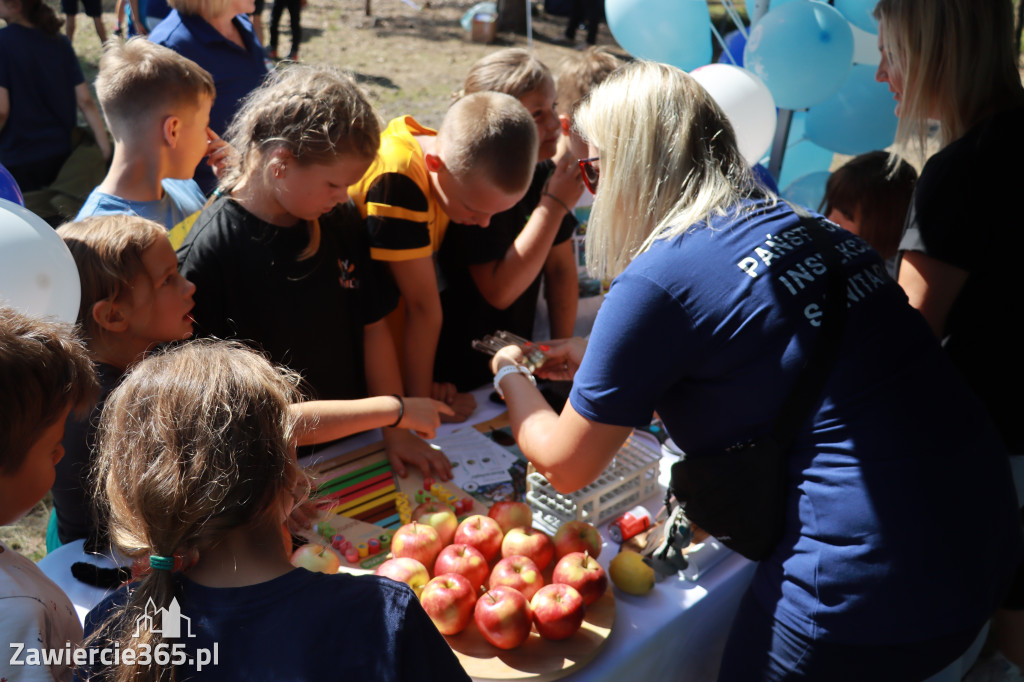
[294, 14]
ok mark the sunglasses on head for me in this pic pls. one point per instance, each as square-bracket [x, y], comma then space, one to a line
[590, 174]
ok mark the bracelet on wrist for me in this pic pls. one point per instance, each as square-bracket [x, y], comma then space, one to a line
[401, 409]
[511, 369]
[560, 202]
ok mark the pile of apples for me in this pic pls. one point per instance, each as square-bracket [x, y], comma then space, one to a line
[488, 571]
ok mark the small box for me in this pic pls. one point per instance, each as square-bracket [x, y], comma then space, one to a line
[485, 27]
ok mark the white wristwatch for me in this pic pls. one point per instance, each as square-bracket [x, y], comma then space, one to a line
[511, 369]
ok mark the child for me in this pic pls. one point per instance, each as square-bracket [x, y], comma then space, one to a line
[133, 299]
[476, 165]
[578, 74]
[280, 265]
[205, 471]
[870, 197]
[45, 373]
[157, 105]
[493, 276]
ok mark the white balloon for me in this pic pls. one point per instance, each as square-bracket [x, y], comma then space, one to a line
[37, 272]
[747, 103]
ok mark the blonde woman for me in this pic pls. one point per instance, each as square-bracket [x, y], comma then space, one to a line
[218, 36]
[716, 301]
[955, 62]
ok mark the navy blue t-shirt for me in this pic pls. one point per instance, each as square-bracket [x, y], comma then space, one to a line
[236, 71]
[899, 467]
[305, 626]
[40, 73]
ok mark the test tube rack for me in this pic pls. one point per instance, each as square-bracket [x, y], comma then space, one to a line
[631, 478]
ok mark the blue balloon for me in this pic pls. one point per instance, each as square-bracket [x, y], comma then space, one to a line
[9, 187]
[676, 32]
[803, 158]
[732, 51]
[859, 118]
[859, 13]
[802, 51]
[807, 190]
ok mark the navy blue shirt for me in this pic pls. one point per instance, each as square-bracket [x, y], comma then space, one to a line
[40, 73]
[306, 626]
[236, 70]
[898, 466]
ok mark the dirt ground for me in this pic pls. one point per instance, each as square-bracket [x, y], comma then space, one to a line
[410, 60]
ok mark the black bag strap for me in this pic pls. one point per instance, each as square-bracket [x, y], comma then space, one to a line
[812, 378]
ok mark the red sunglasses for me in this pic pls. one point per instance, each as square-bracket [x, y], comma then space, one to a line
[590, 174]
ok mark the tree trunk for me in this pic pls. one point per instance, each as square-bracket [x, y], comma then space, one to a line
[512, 15]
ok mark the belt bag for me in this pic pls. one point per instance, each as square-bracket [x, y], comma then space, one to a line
[739, 495]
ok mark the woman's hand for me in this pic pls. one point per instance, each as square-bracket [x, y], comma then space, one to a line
[563, 358]
[422, 416]
[509, 355]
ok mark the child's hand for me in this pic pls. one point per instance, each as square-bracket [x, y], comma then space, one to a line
[423, 416]
[563, 358]
[302, 517]
[218, 152]
[462, 404]
[404, 448]
[565, 181]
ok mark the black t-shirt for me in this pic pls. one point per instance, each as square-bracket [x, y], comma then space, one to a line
[467, 315]
[72, 488]
[308, 315]
[964, 213]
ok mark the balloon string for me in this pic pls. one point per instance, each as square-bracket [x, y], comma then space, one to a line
[730, 9]
[725, 48]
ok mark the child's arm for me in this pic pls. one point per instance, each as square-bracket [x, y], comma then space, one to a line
[321, 421]
[417, 281]
[383, 378]
[561, 289]
[502, 281]
[93, 117]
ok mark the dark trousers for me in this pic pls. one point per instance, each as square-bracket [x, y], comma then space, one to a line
[586, 12]
[294, 15]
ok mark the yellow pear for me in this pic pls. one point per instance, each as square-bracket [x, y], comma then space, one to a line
[630, 574]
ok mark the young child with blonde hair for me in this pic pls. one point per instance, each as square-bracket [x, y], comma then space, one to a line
[281, 258]
[199, 477]
[157, 106]
[493, 275]
[476, 165]
[46, 374]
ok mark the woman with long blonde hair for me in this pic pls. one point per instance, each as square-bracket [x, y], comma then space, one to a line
[717, 305]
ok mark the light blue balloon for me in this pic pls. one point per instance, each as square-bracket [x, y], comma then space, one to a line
[807, 190]
[859, 118]
[676, 32]
[802, 51]
[859, 13]
[802, 158]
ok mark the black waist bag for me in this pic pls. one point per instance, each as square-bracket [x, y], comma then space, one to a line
[739, 495]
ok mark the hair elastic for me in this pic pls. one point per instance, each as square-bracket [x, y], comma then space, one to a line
[401, 409]
[161, 563]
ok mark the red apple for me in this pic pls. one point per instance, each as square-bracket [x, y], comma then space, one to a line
[405, 570]
[582, 572]
[519, 573]
[558, 611]
[511, 515]
[529, 542]
[429, 506]
[444, 522]
[449, 599]
[417, 541]
[316, 558]
[577, 536]
[481, 532]
[503, 617]
[465, 560]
